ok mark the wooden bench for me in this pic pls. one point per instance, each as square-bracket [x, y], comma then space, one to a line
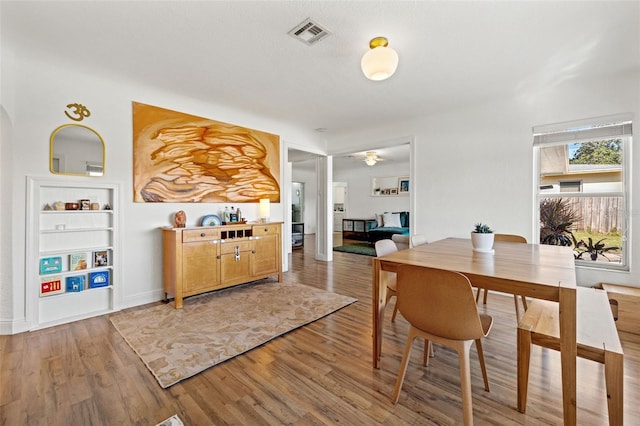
[628, 302]
[597, 340]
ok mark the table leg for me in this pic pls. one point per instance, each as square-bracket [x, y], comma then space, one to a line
[568, 353]
[614, 378]
[377, 305]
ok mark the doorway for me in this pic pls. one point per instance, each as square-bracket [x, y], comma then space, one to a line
[297, 214]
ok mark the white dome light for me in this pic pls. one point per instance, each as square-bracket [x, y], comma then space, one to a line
[381, 61]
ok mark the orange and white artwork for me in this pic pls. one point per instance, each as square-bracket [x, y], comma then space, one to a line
[181, 158]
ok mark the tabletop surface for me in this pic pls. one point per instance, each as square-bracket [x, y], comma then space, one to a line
[535, 264]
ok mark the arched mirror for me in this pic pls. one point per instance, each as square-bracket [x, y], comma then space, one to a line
[76, 150]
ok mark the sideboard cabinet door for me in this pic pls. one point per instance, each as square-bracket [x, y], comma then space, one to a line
[266, 243]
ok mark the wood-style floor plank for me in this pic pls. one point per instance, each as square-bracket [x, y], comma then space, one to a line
[84, 373]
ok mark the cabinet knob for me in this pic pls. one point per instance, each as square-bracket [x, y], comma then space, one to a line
[203, 235]
[266, 229]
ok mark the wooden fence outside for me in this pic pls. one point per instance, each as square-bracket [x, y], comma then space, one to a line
[600, 215]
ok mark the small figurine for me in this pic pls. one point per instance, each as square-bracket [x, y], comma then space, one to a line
[180, 219]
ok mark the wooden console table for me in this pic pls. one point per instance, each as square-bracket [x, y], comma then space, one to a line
[201, 259]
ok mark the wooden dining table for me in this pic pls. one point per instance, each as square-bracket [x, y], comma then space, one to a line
[532, 270]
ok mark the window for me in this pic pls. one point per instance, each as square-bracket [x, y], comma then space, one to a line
[570, 186]
[581, 189]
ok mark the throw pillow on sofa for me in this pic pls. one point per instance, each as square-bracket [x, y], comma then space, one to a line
[379, 220]
[391, 220]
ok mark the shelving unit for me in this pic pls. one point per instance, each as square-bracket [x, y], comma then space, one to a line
[297, 234]
[356, 229]
[53, 236]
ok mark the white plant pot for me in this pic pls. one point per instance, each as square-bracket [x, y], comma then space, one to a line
[482, 242]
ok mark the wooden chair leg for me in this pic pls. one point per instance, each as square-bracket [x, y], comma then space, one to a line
[395, 312]
[478, 295]
[524, 356]
[463, 347]
[482, 366]
[515, 299]
[403, 364]
[484, 300]
[524, 303]
[428, 351]
[614, 377]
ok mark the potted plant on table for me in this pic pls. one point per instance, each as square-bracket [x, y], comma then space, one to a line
[482, 238]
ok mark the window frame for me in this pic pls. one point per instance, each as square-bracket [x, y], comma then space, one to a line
[580, 132]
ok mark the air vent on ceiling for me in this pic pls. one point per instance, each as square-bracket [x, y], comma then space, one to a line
[308, 32]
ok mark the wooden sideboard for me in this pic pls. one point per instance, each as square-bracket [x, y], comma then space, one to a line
[201, 259]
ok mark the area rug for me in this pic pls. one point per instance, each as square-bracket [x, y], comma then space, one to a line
[175, 344]
[357, 248]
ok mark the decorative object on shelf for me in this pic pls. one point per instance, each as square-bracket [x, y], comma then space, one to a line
[50, 265]
[85, 205]
[72, 206]
[107, 206]
[180, 219]
[265, 210]
[100, 258]
[98, 279]
[211, 220]
[47, 207]
[58, 205]
[95, 206]
[77, 261]
[51, 286]
[403, 185]
[240, 165]
[380, 61]
[75, 283]
[482, 238]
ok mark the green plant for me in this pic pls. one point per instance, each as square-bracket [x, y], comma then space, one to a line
[556, 218]
[593, 249]
[481, 228]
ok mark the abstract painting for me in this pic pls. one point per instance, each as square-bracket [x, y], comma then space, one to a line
[182, 158]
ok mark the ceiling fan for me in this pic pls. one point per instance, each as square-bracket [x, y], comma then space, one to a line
[371, 158]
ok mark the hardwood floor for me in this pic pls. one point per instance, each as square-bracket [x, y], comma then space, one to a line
[84, 373]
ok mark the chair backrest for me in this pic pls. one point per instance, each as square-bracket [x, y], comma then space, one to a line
[510, 238]
[385, 247]
[439, 302]
[402, 241]
[418, 240]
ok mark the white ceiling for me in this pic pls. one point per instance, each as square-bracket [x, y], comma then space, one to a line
[238, 53]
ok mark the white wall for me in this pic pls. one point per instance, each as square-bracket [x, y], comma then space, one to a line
[475, 163]
[34, 98]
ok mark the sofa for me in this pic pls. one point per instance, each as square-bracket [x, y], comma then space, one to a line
[396, 223]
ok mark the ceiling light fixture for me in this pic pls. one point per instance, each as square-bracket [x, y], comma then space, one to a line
[370, 158]
[381, 61]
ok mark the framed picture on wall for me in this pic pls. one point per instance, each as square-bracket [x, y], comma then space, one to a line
[403, 185]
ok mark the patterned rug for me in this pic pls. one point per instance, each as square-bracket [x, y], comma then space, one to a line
[175, 344]
[357, 248]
